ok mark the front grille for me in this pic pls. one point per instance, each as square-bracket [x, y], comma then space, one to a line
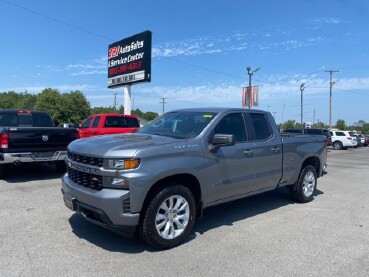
[85, 160]
[85, 179]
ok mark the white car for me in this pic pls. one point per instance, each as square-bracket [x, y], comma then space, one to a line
[342, 140]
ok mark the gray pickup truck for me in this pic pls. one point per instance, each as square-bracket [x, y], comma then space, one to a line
[158, 180]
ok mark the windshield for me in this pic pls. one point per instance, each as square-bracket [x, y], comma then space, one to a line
[181, 124]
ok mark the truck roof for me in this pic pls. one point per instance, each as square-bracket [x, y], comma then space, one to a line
[114, 114]
[217, 109]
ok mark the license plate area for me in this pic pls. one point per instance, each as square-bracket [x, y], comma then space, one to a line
[69, 201]
[42, 155]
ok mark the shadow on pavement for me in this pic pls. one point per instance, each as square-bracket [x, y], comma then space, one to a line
[214, 217]
[30, 172]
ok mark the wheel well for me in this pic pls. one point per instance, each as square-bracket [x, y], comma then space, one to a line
[315, 162]
[187, 180]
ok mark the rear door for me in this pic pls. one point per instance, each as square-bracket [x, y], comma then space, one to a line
[267, 155]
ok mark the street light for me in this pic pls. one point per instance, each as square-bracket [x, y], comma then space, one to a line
[302, 87]
[250, 74]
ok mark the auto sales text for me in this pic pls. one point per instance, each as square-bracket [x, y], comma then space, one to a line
[124, 60]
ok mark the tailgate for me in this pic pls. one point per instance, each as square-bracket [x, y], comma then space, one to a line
[25, 139]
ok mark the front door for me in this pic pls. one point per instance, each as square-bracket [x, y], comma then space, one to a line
[232, 169]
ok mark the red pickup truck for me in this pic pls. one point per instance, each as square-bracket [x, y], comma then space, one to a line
[111, 123]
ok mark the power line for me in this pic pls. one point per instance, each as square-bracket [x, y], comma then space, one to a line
[55, 19]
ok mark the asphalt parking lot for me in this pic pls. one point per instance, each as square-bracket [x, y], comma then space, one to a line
[264, 235]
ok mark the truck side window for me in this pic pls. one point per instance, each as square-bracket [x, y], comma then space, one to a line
[95, 124]
[87, 123]
[260, 126]
[232, 124]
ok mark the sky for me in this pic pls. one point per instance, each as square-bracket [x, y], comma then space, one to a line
[200, 51]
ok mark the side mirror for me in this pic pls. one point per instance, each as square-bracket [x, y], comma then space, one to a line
[219, 140]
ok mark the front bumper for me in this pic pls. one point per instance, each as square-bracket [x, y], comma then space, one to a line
[29, 157]
[107, 207]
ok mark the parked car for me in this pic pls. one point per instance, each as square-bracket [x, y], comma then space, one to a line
[108, 123]
[366, 138]
[342, 140]
[313, 131]
[158, 180]
[358, 139]
[31, 137]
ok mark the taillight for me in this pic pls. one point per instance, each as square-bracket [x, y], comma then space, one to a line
[4, 141]
[349, 138]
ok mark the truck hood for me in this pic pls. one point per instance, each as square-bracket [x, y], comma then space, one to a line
[118, 145]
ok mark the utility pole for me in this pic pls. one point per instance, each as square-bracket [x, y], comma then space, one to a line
[163, 102]
[302, 87]
[282, 118]
[249, 89]
[115, 101]
[268, 108]
[330, 95]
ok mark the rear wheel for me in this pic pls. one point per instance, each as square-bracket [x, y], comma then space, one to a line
[306, 185]
[169, 217]
[337, 145]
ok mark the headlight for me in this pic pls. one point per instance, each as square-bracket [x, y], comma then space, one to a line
[124, 163]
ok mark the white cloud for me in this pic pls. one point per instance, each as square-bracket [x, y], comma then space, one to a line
[318, 23]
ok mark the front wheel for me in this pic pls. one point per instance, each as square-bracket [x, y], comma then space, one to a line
[306, 185]
[169, 217]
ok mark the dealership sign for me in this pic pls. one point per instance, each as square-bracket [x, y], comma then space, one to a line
[129, 60]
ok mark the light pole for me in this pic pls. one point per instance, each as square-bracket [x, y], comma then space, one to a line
[302, 87]
[250, 74]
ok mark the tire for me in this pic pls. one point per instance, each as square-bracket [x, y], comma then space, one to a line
[306, 185]
[60, 167]
[337, 145]
[169, 217]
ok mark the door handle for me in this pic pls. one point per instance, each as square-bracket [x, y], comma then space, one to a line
[248, 152]
[275, 149]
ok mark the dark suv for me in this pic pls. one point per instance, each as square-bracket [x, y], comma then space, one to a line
[313, 131]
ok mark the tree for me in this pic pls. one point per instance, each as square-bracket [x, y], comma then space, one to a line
[75, 107]
[27, 101]
[9, 100]
[97, 110]
[289, 124]
[340, 124]
[50, 100]
[150, 116]
[321, 125]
